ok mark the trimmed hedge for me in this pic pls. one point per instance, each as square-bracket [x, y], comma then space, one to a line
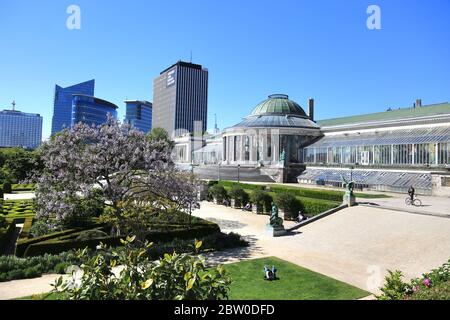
[309, 193]
[23, 187]
[55, 246]
[218, 192]
[238, 195]
[289, 204]
[230, 184]
[4, 235]
[23, 244]
[26, 227]
[312, 207]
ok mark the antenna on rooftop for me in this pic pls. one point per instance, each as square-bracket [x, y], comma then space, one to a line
[14, 105]
[216, 129]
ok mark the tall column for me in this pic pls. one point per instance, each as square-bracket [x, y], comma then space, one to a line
[242, 148]
[392, 154]
[437, 154]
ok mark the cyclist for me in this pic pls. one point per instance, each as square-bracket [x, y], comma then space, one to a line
[411, 192]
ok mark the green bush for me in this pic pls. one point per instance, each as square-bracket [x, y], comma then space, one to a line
[218, 192]
[174, 277]
[7, 188]
[41, 228]
[439, 292]
[238, 195]
[60, 268]
[394, 288]
[12, 268]
[262, 199]
[230, 184]
[289, 204]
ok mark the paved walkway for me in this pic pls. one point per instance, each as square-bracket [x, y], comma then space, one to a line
[438, 205]
[356, 245]
[19, 196]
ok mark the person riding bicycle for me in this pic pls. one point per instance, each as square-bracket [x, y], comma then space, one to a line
[411, 192]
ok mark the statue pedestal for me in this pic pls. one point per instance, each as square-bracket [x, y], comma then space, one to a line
[275, 231]
[349, 199]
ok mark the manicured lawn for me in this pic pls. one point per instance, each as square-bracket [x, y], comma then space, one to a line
[42, 296]
[295, 283]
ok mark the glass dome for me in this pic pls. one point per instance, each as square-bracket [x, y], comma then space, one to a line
[279, 104]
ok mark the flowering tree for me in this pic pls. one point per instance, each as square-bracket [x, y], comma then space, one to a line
[116, 161]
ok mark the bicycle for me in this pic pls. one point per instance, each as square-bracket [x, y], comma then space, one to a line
[416, 202]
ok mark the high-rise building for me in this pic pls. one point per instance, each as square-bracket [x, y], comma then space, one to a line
[180, 99]
[20, 129]
[139, 114]
[91, 110]
[62, 106]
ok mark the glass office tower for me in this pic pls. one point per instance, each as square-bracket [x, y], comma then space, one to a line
[20, 129]
[62, 107]
[91, 110]
[139, 114]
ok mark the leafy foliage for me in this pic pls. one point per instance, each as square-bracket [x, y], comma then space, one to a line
[218, 192]
[431, 285]
[261, 199]
[174, 277]
[289, 204]
[17, 163]
[395, 288]
[238, 195]
[12, 268]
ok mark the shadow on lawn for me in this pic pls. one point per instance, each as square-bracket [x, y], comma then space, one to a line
[235, 254]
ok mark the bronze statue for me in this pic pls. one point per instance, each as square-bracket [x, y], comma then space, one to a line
[348, 185]
[275, 220]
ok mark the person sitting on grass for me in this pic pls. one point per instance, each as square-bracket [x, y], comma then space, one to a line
[270, 274]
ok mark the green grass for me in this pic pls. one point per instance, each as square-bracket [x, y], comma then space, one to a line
[42, 296]
[295, 283]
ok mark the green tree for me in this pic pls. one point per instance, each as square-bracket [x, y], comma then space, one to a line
[160, 135]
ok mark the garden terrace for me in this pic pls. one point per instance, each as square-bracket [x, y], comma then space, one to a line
[312, 202]
[65, 240]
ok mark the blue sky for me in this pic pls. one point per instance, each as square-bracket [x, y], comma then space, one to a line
[252, 48]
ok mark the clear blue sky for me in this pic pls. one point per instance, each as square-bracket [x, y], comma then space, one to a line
[252, 48]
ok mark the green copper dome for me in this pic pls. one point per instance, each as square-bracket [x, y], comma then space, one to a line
[278, 104]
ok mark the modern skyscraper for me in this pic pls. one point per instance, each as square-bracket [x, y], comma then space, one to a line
[62, 106]
[180, 98]
[91, 110]
[19, 129]
[139, 114]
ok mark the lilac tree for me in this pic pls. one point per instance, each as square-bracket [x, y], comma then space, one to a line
[116, 161]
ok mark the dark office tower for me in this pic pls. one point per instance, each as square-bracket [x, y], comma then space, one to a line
[180, 99]
[62, 106]
[139, 114]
